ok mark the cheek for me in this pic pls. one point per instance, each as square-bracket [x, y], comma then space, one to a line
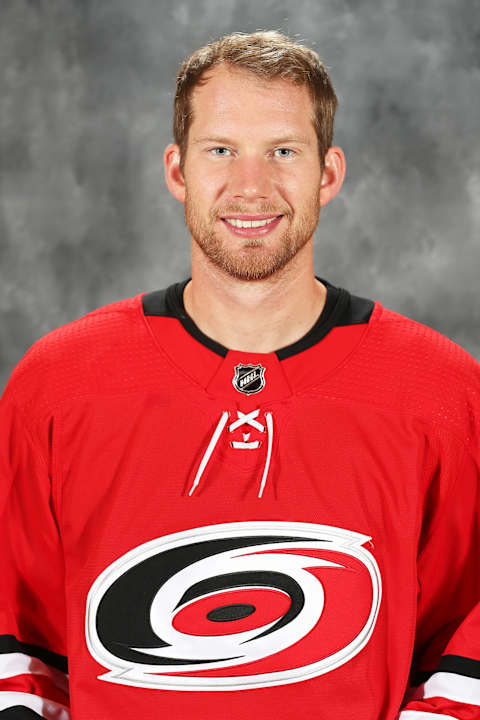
[300, 183]
[205, 187]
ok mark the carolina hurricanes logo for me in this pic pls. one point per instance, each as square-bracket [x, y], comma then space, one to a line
[234, 606]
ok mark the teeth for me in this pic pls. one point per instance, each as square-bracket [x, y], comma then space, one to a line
[249, 223]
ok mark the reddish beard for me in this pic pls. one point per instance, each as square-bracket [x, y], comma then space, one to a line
[255, 258]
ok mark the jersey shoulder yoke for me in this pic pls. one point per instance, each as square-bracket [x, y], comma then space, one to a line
[99, 352]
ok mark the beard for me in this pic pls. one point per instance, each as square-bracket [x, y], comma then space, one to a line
[252, 258]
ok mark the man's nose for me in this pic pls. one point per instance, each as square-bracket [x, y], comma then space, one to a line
[251, 178]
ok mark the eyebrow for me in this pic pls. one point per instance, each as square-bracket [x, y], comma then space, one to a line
[301, 139]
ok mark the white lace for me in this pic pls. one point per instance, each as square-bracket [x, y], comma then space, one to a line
[242, 419]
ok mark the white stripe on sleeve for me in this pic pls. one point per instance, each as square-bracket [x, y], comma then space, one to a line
[12, 664]
[451, 686]
[45, 708]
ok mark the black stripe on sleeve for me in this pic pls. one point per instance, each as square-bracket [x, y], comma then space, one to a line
[19, 712]
[10, 644]
[448, 663]
[459, 665]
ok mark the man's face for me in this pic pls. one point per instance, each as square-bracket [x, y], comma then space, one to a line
[252, 172]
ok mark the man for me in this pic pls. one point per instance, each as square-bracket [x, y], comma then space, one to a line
[251, 493]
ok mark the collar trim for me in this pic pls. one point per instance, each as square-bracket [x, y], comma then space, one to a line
[341, 308]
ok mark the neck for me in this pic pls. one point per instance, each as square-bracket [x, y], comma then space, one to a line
[258, 316]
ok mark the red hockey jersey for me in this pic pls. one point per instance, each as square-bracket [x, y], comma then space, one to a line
[189, 531]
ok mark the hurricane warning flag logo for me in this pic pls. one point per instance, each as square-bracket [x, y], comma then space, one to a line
[234, 606]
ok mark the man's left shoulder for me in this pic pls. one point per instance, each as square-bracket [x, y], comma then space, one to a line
[427, 373]
[404, 366]
[421, 348]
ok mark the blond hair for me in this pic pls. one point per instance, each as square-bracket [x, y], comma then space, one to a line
[267, 54]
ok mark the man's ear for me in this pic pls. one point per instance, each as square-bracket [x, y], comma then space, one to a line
[173, 174]
[333, 174]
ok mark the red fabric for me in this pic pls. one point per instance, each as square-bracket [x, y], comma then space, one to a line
[35, 685]
[375, 433]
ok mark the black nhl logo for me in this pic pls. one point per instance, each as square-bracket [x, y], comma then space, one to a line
[249, 379]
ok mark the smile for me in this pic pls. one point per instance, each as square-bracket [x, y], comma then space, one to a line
[249, 223]
[251, 227]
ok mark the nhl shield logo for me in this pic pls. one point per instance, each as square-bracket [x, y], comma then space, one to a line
[249, 379]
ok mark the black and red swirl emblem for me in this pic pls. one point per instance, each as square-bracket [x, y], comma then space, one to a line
[234, 606]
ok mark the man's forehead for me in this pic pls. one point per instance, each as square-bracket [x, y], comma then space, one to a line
[223, 90]
[220, 78]
[225, 72]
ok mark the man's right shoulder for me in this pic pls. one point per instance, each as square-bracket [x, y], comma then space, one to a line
[79, 357]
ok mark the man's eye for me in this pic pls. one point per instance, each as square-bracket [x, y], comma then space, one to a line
[220, 151]
[283, 152]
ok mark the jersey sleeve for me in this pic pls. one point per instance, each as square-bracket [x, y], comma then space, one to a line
[33, 662]
[445, 678]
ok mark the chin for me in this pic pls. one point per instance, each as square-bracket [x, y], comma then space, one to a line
[259, 266]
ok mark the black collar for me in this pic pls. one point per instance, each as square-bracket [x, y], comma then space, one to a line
[340, 309]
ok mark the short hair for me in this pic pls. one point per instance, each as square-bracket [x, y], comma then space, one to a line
[267, 54]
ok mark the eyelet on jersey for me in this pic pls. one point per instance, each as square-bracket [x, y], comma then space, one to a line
[242, 419]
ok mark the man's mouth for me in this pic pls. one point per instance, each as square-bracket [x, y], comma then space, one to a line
[251, 226]
[250, 223]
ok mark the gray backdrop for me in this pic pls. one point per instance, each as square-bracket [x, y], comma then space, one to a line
[86, 92]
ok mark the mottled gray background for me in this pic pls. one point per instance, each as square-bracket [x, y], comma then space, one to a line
[86, 94]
